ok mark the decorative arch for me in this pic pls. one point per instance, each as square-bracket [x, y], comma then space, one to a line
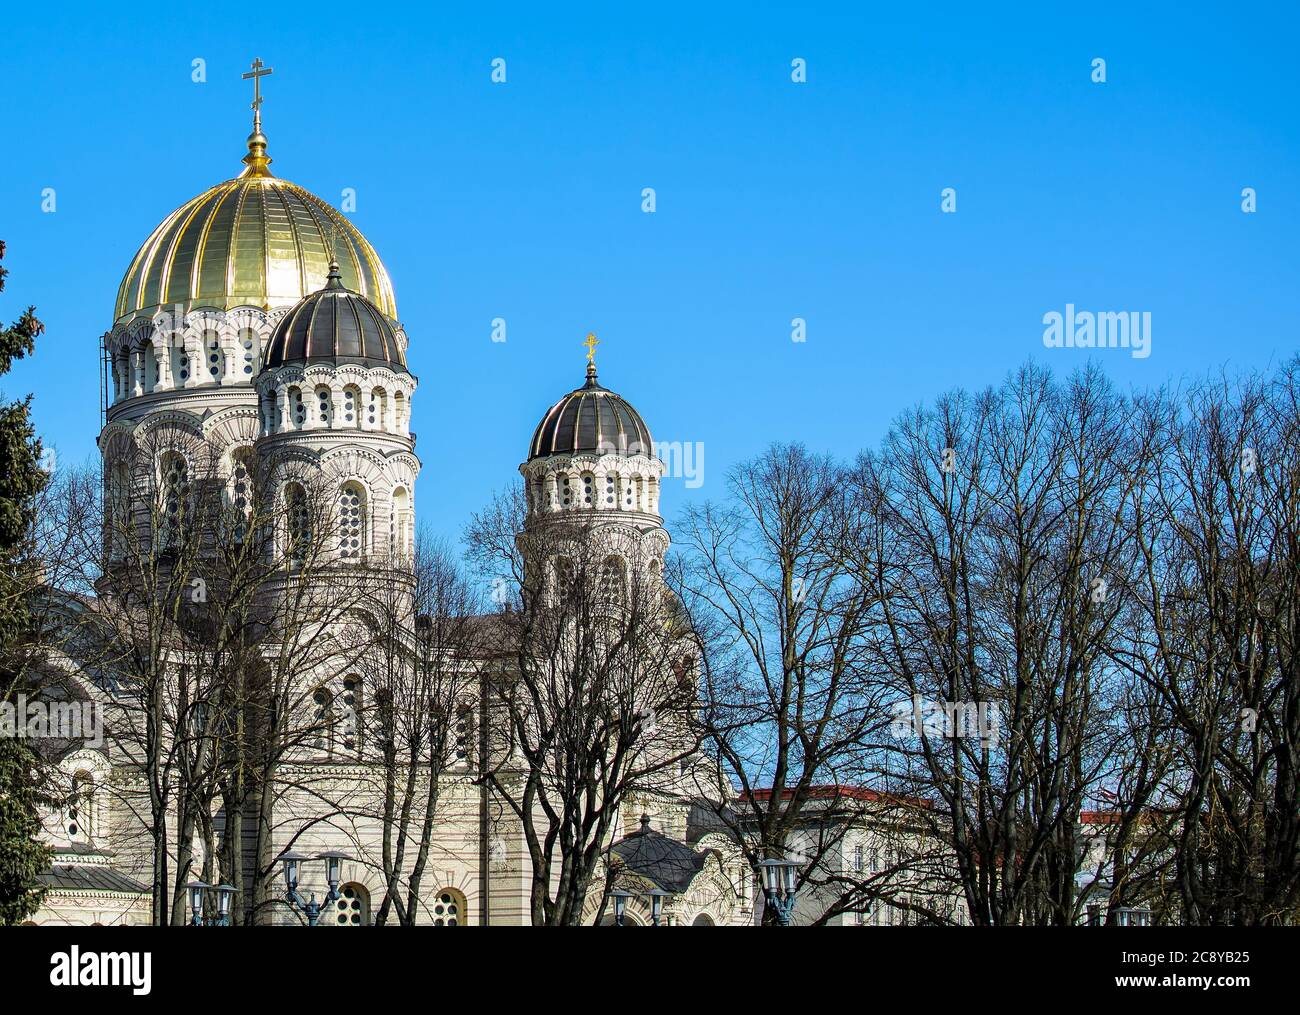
[377, 409]
[322, 726]
[400, 524]
[353, 521]
[449, 908]
[298, 534]
[174, 486]
[352, 406]
[352, 908]
[324, 406]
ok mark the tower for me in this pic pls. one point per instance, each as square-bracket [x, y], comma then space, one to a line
[591, 467]
[220, 324]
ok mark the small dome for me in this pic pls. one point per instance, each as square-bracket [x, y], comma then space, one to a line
[591, 418]
[335, 325]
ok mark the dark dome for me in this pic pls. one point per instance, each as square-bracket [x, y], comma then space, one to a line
[335, 325]
[591, 418]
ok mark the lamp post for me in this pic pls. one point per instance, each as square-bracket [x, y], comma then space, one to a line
[310, 908]
[198, 891]
[657, 897]
[620, 898]
[779, 883]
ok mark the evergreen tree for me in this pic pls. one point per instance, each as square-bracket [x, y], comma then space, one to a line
[22, 856]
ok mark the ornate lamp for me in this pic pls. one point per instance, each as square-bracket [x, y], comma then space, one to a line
[310, 908]
[620, 898]
[292, 861]
[197, 888]
[657, 897]
[780, 880]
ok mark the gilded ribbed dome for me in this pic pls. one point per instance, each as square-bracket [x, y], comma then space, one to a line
[255, 240]
[591, 418]
[334, 325]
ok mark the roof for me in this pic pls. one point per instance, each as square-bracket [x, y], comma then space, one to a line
[834, 792]
[255, 240]
[90, 878]
[670, 864]
[591, 418]
[335, 325]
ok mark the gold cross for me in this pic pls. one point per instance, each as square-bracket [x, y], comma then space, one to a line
[591, 343]
[257, 73]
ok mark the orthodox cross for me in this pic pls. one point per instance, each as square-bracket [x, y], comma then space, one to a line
[257, 73]
[591, 343]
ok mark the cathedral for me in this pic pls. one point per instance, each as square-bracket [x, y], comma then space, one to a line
[256, 333]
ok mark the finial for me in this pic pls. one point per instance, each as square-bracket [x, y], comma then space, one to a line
[256, 159]
[645, 822]
[591, 343]
[334, 280]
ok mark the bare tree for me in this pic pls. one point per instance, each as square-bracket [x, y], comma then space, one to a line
[423, 674]
[593, 693]
[786, 606]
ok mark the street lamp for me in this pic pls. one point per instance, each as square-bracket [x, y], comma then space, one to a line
[779, 884]
[310, 908]
[198, 891]
[620, 898]
[657, 897]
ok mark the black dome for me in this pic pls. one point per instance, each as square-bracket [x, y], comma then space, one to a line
[591, 418]
[335, 325]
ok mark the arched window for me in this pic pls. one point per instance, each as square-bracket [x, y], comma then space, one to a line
[216, 358]
[119, 508]
[613, 578]
[175, 498]
[248, 346]
[611, 490]
[588, 489]
[81, 806]
[464, 740]
[180, 363]
[299, 522]
[352, 406]
[352, 521]
[322, 728]
[324, 406]
[400, 530]
[297, 410]
[449, 908]
[384, 710]
[399, 411]
[377, 410]
[652, 494]
[630, 486]
[241, 491]
[352, 909]
[566, 491]
[149, 367]
[351, 713]
[563, 578]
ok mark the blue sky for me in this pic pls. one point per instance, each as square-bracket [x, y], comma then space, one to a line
[775, 200]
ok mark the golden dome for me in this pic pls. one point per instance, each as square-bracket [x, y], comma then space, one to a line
[255, 240]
